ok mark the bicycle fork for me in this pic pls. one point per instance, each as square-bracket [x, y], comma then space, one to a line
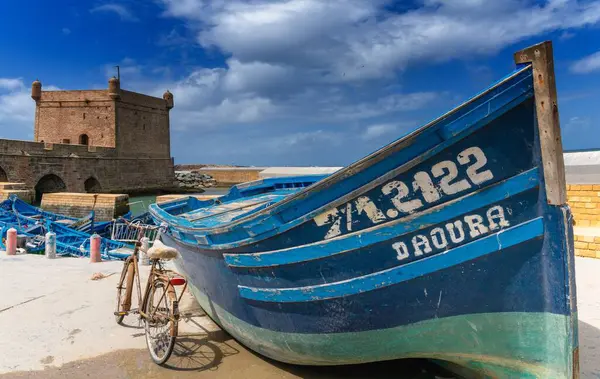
[126, 304]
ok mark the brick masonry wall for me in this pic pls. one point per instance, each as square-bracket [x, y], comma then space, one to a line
[142, 126]
[123, 175]
[137, 125]
[587, 246]
[106, 207]
[25, 195]
[66, 115]
[584, 200]
[225, 177]
[28, 148]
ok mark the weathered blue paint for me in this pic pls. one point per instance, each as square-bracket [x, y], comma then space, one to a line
[85, 224]
[490, 244]
[449, 222]
[318, 250]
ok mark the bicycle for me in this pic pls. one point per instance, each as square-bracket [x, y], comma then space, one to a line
[159, 307]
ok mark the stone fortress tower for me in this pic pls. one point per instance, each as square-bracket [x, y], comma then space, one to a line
[106, 140]
[133, 123]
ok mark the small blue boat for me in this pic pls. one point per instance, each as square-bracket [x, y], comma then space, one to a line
[75, 243]
[453, 243]
[33, 223]
[85, 224]
[69, 242]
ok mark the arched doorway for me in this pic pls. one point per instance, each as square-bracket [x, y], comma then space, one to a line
[84, 139]
[48, 184]
[3, 176]
[92, 185]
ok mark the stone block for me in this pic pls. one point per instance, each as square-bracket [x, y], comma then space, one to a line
[585, 253]
[106, 206]
[12, 186]
[25, 195]
[586, 238]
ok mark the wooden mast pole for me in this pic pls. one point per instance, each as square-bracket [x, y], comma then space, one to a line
[541, 58]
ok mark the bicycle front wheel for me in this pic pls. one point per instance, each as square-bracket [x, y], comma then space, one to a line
[160, 321]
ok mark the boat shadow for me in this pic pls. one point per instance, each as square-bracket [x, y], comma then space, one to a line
[199, 353]
[396, 369]
[206, 349]
[198, 347]
[202, 345]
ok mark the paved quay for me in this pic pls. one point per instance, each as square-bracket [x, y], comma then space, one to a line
[55, 322]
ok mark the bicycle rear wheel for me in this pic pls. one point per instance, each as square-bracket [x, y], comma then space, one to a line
[124, 291]
[161, 321]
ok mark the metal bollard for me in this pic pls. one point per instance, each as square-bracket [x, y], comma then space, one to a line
[50, 245]
[11, 241]
[144, 260]
[95, 256]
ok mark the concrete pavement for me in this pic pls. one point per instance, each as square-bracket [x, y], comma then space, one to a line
[58, 322]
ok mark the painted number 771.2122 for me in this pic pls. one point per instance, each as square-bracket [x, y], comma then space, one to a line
[432, 184]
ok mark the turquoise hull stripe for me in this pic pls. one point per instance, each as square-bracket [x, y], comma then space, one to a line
[485, 344]
[496, 242]
[500, 191]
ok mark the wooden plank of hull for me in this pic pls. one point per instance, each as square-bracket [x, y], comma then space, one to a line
[453, 243]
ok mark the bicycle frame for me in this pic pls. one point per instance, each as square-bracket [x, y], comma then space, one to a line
[133, 273]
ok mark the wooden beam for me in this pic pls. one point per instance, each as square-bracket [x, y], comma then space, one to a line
[541, 58]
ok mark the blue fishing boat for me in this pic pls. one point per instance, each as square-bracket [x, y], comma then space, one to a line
[85, 224]
[453, 243]
[69, 241]
[75, 243]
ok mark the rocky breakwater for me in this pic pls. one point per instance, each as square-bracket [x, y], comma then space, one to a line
[193, 181]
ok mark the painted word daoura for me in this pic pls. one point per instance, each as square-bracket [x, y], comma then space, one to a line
[453, 233]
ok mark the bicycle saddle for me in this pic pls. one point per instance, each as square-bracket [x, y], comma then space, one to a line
[160, 251]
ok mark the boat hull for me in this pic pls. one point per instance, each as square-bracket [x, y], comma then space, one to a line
[434, 316]
[453, 244]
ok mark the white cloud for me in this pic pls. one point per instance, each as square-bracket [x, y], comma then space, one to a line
[307, 139]
[331, 60]
[228, 111]
[122, 11]
[566, 35]
[66, 31]
[587, 64]
[16, 109]
[11, 83]
[385, 105]
[356, 40]
[577, 124]
[193, 9]
[304, 66]
[378, 130]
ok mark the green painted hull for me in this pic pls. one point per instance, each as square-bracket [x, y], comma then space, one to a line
[497, 345]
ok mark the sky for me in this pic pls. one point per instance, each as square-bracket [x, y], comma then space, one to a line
[296, 82]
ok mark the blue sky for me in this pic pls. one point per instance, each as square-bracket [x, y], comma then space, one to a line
[296, 82]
